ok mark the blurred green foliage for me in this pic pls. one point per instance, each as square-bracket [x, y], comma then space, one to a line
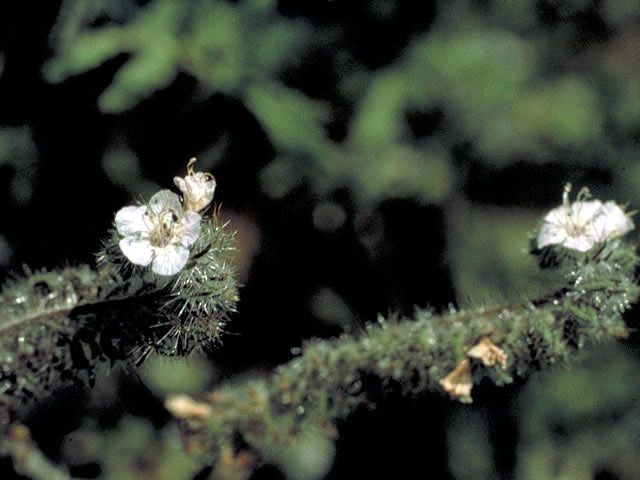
[574, 424]
[19, 160]
[583, 422]
[134, 450]
[176, 375]
[501, 83]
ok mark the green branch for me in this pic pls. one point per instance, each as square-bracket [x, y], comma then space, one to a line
[28, 460]
[264, 418]
[163, 284]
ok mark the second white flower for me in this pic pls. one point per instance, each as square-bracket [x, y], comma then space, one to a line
[582, 224]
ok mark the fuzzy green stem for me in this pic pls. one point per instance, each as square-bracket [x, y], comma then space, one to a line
[332, 378]
[27, 459]
[58, 327]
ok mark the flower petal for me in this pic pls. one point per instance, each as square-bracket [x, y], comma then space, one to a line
[582, 243]
[557, 216]
[165, 200]
[585, 212]
[130, 220]
[170, 259]
[190, 228]
[551, 234]
[614, 222]
[554, 228]
[138, 251]
[180, 183]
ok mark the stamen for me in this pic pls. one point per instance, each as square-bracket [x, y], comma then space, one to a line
[192, 160]
[565, 196]
[572, 224]
[163, 232]
[583, 194]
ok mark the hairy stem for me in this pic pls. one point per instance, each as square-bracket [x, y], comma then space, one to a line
[332, 378]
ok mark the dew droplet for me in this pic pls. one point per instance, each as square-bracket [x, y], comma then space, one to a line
[355, 388]
[4, 386]
[20, 300]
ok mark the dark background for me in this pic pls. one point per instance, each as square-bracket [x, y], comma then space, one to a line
[374, 156]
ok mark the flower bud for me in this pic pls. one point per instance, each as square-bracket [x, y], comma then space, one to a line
[197, 188]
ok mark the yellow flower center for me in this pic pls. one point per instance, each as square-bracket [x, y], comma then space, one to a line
[163, 228]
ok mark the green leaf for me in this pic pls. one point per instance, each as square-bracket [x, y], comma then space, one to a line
[379, 119]
[88, 51]
[292, 120]
[147, 72]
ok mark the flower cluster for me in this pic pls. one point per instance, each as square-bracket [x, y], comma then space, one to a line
[161, 233]
[584, 223]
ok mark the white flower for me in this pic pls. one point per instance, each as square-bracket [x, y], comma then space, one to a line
[197, 188]
[159, 234]
[582, 224]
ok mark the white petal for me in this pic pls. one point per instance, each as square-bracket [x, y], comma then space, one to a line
[614, 222]
[180, 183]
[557, 216]
[582, 243]
[584, 212]
[130, 220]
[551, 234]
[165, 200]
[190, 230]
[138, 251]
[170, 259]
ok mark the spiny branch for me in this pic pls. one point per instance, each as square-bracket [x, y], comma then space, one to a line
[332, 378]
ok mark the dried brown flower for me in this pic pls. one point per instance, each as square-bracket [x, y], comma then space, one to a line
[488, 352]
[458, 382]
[183, 406]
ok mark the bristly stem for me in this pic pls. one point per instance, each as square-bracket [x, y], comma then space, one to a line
[57, 327]
[332, 378]
[27, 459]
